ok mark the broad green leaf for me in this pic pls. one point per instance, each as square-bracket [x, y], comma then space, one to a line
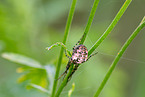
[35, 76]
[17, 58]
[22, 78]
[22, 69]
[71, 90]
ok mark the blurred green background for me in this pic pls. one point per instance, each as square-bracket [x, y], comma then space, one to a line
[27, 27]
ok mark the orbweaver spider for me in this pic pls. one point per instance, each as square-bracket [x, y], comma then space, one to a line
[79, 55]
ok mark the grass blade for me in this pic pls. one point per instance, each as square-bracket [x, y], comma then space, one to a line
[82, 40]
[63, 84]
[120, 53]
[111, 26]
[70, 17]
[90, 20]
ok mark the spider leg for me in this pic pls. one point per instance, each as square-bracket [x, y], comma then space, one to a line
[75, 68]
[78, 42]
[59, 44]
[91, 56]
[67, 67]
[66, 54]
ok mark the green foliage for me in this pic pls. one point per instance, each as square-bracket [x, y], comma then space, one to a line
[27, 27]
[118, 56]
[67, 28]
[40, 88]
[17, 58]
[37, 75]
[50, 71]
[111, 26]
[90, 20]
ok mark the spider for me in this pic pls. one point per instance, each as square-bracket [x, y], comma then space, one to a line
[78, 56]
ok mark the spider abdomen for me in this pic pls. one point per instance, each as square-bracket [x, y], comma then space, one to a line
[80, 54]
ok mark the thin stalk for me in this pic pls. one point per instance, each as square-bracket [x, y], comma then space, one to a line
[118, 56]
[67, 28]
[63, 84]
[90, 20]
[111, 26]
[92, 14]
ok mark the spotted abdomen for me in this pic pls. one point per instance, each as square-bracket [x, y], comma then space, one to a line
[80, 54]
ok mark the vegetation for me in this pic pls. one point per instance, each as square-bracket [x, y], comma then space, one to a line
[25, 32]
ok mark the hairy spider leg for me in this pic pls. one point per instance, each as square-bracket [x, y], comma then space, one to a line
[59, 44]
[66, 54]
[65, 72]
[78, 42]
[91, 56]
[67, 67]
[75, 68]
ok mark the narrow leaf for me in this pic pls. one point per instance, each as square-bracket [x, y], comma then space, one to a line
[71, 90]
[67, 28]
[40, 88]
[118, 56]
[17, 58]
[111, 26]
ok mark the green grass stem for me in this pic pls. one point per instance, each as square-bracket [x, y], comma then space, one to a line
[90, 20]
[68, 24]
[83, 39]
[120, 53]
[63, 84]
[111, 26]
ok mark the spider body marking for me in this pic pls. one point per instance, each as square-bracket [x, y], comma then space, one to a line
[78, 56]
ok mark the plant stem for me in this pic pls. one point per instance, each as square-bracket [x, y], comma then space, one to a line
[83, 39]
[68, 24]
[90, 20]
[63, 84]
[111, 26]
[122, 50]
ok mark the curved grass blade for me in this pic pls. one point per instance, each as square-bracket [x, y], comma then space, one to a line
[118, 56]
[111, 26]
